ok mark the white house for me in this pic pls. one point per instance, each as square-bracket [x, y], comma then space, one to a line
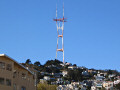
[72, 67]
[64, 73]
[46, 78]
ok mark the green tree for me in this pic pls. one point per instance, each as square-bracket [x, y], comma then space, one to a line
[74, 65]
[53, 62]
[37, 63]
[75, 75]
[28, 61]
[117, 86]
[45, 86]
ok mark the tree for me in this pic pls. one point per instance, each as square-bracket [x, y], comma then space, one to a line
[117, 86]
[74, 65]
[53, 62]
[37, 63]
[45, 86]
[75, 75]
[109, 71]
[28, 61]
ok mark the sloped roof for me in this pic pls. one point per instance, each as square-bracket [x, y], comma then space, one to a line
[4, 55]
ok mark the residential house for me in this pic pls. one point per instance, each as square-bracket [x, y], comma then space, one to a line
[108, 84]
[47, 78]
[72, 67]
[14, 76]
[64, 73]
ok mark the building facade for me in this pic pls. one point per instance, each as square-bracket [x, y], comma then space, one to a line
[14, 76]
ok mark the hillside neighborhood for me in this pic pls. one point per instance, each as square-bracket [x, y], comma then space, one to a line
[72, 77]
[54, 75]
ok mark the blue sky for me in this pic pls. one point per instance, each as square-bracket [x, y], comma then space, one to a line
[91, 33]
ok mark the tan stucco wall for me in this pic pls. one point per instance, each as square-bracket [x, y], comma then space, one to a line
[28, 82]
[6, 74]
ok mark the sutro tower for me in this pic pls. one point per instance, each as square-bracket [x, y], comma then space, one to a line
[60, 29]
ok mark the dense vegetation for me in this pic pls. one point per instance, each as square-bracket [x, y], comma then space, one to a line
[45, 86]
[54, 66]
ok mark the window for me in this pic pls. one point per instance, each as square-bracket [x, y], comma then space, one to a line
[23, 88]
[9, 67]
[14, 87]
[2, 65]
[23, 76]
[2, 81]
[8, 82]
[14, 74]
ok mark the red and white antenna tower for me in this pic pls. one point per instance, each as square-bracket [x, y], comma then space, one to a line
[60, 28]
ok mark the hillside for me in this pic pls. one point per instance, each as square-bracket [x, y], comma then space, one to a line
[54, 72]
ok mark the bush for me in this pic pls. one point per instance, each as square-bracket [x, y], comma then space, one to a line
[45, 86]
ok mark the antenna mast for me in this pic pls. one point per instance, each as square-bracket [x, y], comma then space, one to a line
[60, 27]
